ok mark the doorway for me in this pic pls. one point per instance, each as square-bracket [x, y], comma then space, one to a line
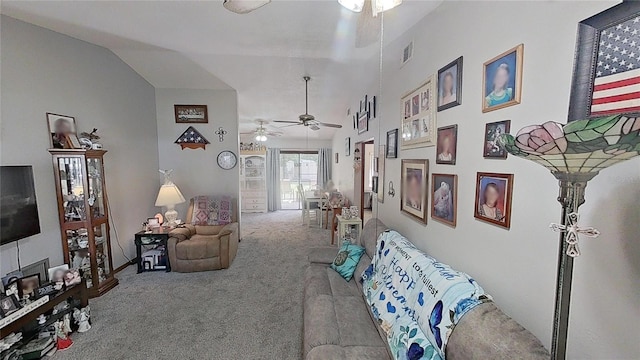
[364, 153]
[297, 168]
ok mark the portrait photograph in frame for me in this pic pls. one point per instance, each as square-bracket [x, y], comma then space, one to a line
[493, 150]
[347, 146]
[27, 286]
[493, 198]
[450, 85]
[419, 129]
[8, 305]
[363, 122]
[414, 188]
[392, 144]
[502, 80]
[444, 198]
[446, 151]
[191, 114]
[59, 127]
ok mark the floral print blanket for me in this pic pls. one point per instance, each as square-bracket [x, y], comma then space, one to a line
[416, 300]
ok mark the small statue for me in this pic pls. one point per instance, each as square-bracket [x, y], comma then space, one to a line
[63, 328]
[82, 317]
[42, 319]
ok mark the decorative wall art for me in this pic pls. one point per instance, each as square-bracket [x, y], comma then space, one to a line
[191, 114]
[493, 198]
[502, 80]
[363, 122]
[446, 150]
[444, 198]
[604, 64]
[450, 85]
[221, 133]
[192, 139]
[492, 132]
[347, 146]
[419, 116]
[392, 144]
[59, 127]
[414, 188]
[381, 170]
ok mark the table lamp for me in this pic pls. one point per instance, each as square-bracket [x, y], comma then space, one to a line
[169, 195]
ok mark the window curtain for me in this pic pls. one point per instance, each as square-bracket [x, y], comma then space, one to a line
[273, 180]
[324, 166]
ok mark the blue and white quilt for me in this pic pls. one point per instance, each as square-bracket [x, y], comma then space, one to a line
[417, 300]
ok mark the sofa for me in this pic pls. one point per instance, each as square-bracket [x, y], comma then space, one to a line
[338, 323]
[203, 247]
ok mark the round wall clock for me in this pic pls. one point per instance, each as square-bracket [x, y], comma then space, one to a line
[227, 160]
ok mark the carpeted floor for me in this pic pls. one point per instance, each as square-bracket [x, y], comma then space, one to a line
[253, 310]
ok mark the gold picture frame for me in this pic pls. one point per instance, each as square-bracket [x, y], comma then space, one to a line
[505, 70]
[418, 116]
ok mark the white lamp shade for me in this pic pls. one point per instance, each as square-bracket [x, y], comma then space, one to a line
[244, 6]
[353, 5]
[169, 195]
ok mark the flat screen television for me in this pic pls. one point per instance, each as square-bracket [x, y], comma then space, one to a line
[18, 206]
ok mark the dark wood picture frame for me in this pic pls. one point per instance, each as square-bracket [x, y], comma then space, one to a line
[363, 122]
[185, 118]
[457, 81]
[486, 152]
[14, 302]
[585, 64]
[453, 196]
[507, 197]
[347, 146]
[421, 213]
[454, 148]
[392, 144]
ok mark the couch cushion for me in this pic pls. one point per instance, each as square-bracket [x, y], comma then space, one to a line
[320, 323]
[487, 330]
[364, 263]
[316, 281]
[198, 247]
[370, 233]
[340, 287]
[347, 259]
[322, 254]
[354, 323]
[334, 352]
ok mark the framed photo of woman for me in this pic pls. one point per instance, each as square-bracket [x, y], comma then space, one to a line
[447, 145]
[450, 85]
[502, 80]
[414, 188]
[493, 198]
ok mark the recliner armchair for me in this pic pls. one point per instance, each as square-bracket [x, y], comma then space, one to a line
[203, 247]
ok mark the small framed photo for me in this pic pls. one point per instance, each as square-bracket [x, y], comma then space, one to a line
[337, 157]
[27, 286]
[59, 127]
[447, 145]
[73, 142]
[47, 289]
[493, 198]
[56, 273]
[153, 223]
[191, 114]
[407, 54]
[492, 131]
[374, 184]
[363, 122]
[414, 188]
[72, 277]
[347, 146]
[8, 305]
[450, 85]
[502, 80]
[392, 144]
[444, 198]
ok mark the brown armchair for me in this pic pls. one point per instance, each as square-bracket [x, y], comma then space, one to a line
[203, 247]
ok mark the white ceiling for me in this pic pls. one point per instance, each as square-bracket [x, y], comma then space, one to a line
[262, 55]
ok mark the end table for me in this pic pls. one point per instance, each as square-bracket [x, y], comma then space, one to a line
[157, 237]
[349, 228]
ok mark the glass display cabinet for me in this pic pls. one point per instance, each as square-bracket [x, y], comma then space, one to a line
[253, 181]
[84, 216]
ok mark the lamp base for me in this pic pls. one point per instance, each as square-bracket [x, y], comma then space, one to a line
[170, 217]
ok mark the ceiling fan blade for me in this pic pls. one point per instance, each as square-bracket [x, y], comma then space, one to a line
[314, 127]
[286, 126]
[287, 121]
[331, 125]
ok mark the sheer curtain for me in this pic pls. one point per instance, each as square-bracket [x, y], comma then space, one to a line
[324, 166]
[273, 180]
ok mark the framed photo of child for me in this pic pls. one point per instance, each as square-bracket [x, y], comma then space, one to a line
[444, 198]
[450, 85]
[493, 198]
[502, 80]
[447, 145]
[492, 131]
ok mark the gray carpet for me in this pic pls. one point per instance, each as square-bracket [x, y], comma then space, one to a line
[253, 310]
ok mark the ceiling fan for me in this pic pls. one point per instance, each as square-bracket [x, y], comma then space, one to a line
[307, 119]
[261, 132]
[368, 26]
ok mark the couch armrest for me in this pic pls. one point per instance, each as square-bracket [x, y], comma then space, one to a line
[322, 254]
[228, 229]
[228, 244]
[182, 233]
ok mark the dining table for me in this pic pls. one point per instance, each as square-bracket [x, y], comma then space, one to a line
[315, 197]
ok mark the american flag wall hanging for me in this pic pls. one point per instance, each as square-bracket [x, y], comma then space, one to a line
[192, 139]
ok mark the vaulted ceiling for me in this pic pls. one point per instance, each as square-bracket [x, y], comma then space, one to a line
[262, 55]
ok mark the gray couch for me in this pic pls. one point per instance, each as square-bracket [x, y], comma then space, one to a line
[339, 325]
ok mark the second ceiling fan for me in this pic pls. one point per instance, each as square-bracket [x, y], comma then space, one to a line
[307, 119]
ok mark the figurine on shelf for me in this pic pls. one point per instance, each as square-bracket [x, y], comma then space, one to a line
[63, 328]
[82, 317]
[42, 319]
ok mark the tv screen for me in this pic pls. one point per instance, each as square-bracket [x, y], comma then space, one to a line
[18, 207]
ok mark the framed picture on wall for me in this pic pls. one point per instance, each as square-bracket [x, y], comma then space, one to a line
[347, 146]
[407, 54]
[363, 122]
[419, 116]
[392, 144]
[191, 114]
[447, 145]
[493, 198]
[492, 131]
[502, 80]
[414, 188]
[444, 198]
[450, 85]
[59, 127]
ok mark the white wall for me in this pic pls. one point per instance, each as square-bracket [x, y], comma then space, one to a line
[518, 266]
[196, 171]
[44, 71]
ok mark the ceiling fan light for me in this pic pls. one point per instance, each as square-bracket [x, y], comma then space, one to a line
[384, 5]
[261, 138]
[353, 5]
[244, 6]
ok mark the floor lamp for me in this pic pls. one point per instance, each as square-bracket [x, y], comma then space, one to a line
[574, 153]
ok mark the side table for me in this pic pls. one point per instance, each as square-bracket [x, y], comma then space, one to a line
[349, 229]
[157, 237]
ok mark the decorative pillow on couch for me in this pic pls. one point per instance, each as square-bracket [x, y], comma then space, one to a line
[347, 259]
[211, 210]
